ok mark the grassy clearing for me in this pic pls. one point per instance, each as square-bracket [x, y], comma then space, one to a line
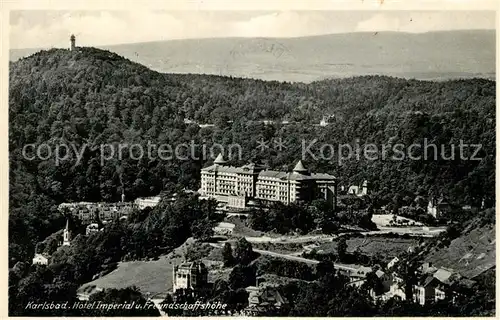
[154, 277]
[383, 247]
[285, 248]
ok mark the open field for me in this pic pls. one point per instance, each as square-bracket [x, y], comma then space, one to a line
[154, 277]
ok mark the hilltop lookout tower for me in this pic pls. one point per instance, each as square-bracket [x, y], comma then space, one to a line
[72, 39]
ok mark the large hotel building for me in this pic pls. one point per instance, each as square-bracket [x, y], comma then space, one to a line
[238, 186]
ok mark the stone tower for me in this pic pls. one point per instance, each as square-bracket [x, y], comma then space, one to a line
[72, 40]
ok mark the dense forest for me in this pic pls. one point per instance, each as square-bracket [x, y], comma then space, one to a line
[92, 97]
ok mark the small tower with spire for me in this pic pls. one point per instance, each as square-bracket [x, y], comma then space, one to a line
[220, 160]
[72, 39]
[66, 234]
[300, 169]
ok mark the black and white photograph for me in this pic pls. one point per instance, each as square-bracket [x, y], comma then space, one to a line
[263, 162]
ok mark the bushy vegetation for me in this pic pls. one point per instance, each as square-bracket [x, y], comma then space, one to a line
[303, 218]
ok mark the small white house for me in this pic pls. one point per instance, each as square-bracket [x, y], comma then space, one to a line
[224, 228]
[359, 191]
[40, 259]
[93, 228]
[393, 262]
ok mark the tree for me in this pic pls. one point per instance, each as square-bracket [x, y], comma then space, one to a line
[241, 277]
[202, 229]
[452, 232]
[243, 252]
[120, 296]
[227, 255]
[373, 282]
[342, 248]
[324, 268]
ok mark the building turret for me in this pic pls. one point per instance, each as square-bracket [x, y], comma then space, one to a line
[299, 168]
[72, 39]
[220, 159]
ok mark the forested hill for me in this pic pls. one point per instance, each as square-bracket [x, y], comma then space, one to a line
[93, 97]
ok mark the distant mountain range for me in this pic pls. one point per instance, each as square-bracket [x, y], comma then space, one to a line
[430, 56]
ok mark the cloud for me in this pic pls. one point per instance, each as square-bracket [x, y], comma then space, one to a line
[45, 29]
[380, 22]
[285, 24]
[107, 27]
[417, 22]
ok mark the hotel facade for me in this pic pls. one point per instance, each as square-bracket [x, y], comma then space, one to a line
[239, 186]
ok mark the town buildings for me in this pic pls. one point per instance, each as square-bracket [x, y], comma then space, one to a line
[433, 284]
[143, 203]
[237, 186]
[87, 212]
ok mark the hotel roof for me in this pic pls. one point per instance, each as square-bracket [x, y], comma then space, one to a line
[297, 174]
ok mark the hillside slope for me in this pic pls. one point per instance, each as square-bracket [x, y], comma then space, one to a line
[93, 97]
[470, 255]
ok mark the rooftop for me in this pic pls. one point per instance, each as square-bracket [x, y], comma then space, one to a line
[299, 172]
[219, 159]
[299, 167]
[193, 266]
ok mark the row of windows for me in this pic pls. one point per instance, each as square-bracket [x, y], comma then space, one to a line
[260, 188]
[225, 186]
[272, 182]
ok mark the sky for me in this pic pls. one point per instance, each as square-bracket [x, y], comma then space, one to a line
[49, 28]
